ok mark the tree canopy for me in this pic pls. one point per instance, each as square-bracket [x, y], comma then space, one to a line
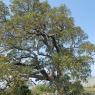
[43, 42]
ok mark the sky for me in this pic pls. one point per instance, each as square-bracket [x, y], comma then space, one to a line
[83, 13]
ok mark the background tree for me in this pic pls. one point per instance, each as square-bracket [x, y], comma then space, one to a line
[35, 35]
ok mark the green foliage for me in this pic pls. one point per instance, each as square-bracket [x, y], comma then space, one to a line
[76, 88]
[17, 90]
[22, 90]
[41, 89]
[9, 69]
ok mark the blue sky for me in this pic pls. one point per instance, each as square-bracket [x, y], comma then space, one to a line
[84, 16]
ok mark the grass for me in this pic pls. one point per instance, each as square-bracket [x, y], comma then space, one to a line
[90, 89]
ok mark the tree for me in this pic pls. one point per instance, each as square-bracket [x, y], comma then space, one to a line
[37, 36]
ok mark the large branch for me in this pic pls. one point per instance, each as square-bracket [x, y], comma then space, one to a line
[55, 44]
[46, 37]
[19, 48]
[39, 75]
[42, 54]
[39, 68]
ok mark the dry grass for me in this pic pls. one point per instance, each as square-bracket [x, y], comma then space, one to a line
[90, 89]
